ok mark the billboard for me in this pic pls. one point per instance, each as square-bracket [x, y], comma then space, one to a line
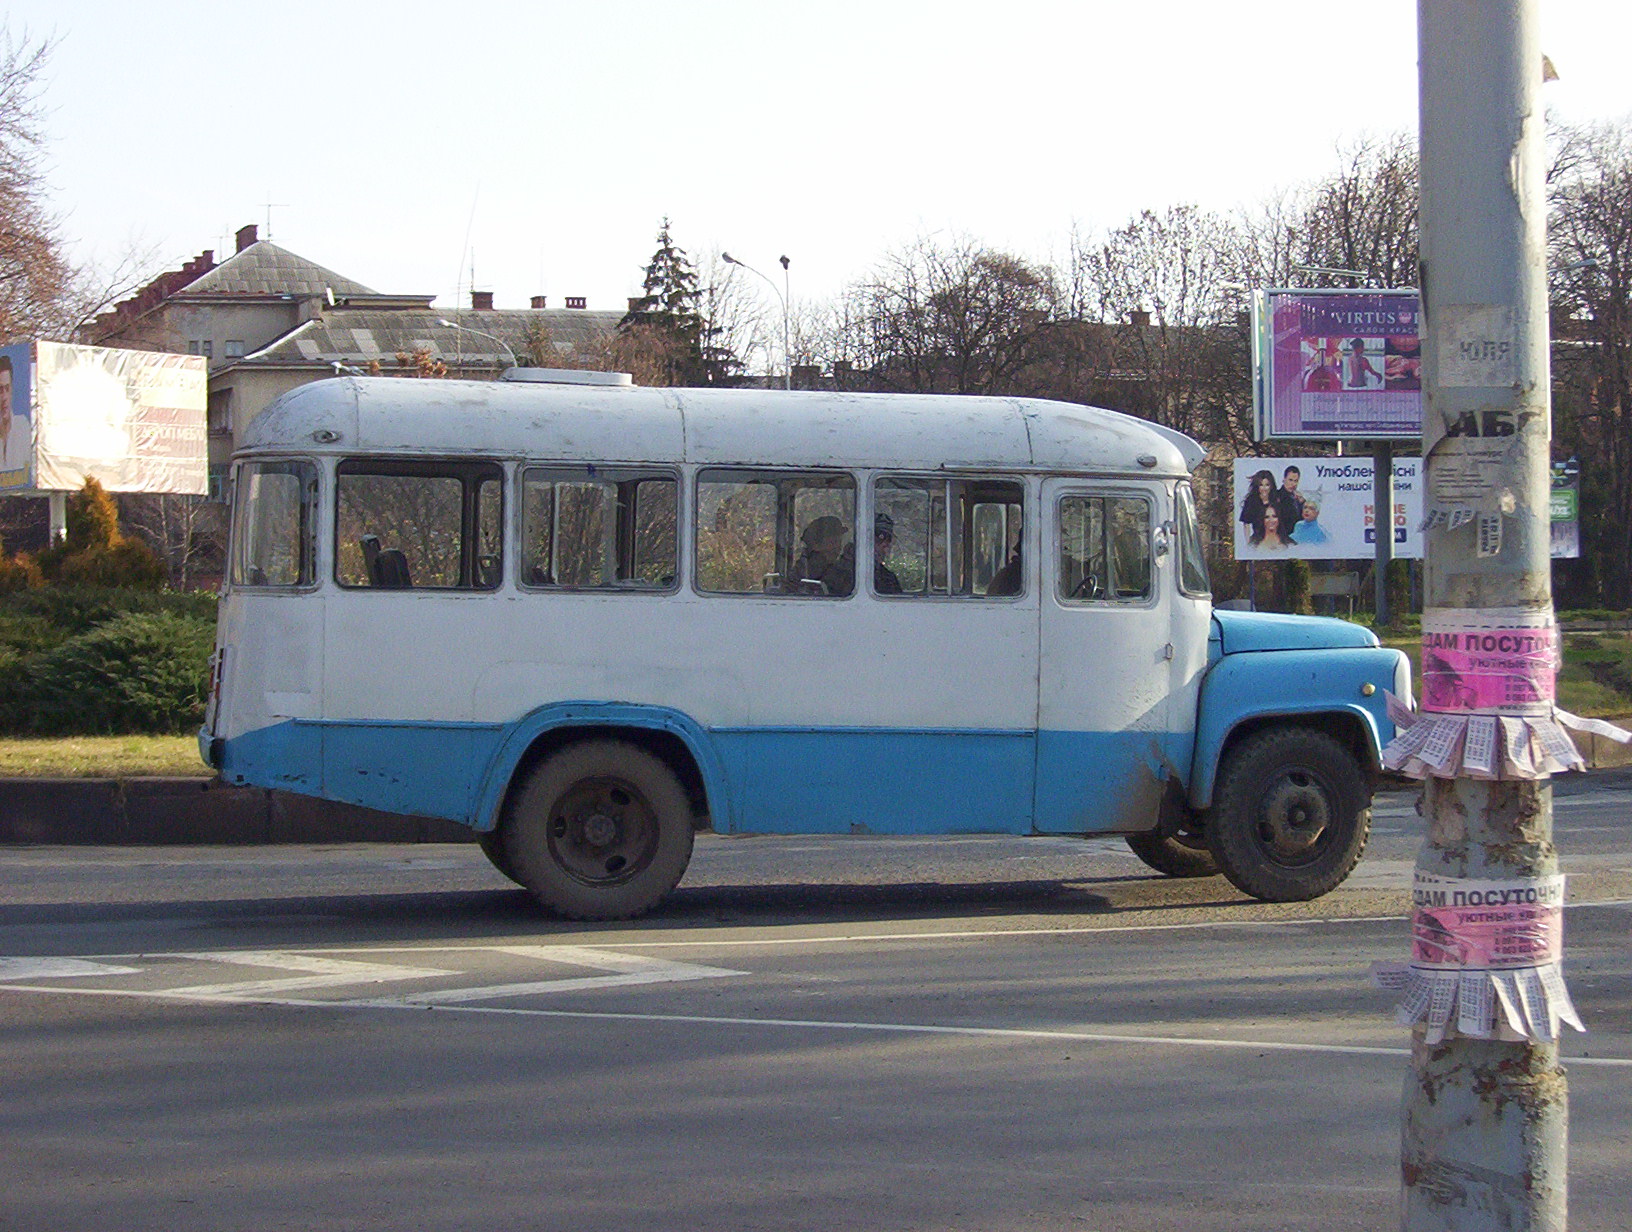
[1337, 365]
[1322, 509]
[16, 417]
[132, 420]
[1564, 508]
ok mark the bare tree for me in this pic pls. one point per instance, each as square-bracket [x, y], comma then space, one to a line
[1159, 330]
[949, 317]
[35, 276]
[1361, 218]
[1590, 237]
[740, 322]
[187, 533]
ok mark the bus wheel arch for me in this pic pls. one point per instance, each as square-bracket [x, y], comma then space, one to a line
[1291, 808]
[597, 827]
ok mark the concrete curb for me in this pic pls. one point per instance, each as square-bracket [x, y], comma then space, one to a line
[159, 812]
[167, 811]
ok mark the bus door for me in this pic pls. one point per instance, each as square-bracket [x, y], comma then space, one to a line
[1106, 658]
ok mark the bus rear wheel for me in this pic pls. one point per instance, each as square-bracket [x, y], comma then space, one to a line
[1291, 813]
[1176, 855]
[600, 830]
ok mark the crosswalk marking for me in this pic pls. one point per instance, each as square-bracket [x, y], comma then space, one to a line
[56, 969]
[328, 973]
[319, 971]
[627, 969]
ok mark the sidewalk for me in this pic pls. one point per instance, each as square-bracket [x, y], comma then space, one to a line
[158, 811]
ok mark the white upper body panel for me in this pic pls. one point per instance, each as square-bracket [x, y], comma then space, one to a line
[712, 427]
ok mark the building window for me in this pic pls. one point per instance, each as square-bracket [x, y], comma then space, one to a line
[219, 414]
[204, 347]
[234, 348]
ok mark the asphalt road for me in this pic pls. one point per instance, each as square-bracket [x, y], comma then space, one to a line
[833, 1034]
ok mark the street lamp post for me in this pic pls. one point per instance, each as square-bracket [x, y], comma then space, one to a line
[787, 349]
[481, 333]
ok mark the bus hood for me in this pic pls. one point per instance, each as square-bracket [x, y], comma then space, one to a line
[1239, 632]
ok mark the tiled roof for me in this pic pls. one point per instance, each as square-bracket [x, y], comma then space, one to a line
[265, 269]
[357, 335]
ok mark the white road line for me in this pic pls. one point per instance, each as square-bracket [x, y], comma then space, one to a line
[57, 969]
[704, 943]
[331, 973]
[629, 969]
[816, 1024]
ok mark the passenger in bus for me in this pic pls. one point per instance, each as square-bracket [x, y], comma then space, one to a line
[1006, 581]
[884, 580]
[827, 566]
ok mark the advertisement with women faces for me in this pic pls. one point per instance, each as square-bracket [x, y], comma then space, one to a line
[1321, 509]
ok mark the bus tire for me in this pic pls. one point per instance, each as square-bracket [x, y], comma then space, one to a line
[600, 830]
[1291, 813]
[492, 845]
[1175, 855]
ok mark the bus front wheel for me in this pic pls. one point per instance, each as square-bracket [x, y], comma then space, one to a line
[1291, 812]
[600, 830]
[492, 845]
[1175, 855]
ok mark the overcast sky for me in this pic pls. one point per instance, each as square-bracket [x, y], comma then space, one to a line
[545, 140]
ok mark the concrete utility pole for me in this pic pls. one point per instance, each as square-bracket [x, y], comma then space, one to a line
[1485, 1119]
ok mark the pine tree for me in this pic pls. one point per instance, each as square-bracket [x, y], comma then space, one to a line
[666, 320]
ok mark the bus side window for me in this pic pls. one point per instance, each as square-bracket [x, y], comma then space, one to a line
[406, 524]
[958, 538]
[776, 533]
[272, 532]
[1104, 548]
[599, 528]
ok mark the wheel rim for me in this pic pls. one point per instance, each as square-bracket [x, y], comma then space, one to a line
[602, 831]
[1295, 818]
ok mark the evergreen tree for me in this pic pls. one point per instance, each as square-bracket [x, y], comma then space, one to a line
[666, 321]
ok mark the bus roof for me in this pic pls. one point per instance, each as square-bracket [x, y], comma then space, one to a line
[591, 423]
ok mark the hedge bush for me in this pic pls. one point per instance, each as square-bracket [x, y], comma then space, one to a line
[138, 672]
[67, 611]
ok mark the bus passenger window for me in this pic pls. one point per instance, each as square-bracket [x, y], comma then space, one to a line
[403, 524]
[599, 528]
[957, 538]
[273, 521]
[1104, 548]
[776, 533]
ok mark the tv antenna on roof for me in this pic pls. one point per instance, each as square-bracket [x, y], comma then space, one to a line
[270, 206]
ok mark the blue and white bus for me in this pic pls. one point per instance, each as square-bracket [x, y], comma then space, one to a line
[589, 619]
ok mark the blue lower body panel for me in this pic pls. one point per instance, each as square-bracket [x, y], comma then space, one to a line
[421, 769]
[878, 782]
[773, 780]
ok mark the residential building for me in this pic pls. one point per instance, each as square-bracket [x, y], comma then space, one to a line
[269, 320]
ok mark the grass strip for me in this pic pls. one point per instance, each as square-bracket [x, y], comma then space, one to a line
[93, 757]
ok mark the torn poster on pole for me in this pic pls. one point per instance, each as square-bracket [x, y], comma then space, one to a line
[1488, 707]
[1485, 960]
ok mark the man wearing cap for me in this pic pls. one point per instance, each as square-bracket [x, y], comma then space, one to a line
[827, 566]
[884, 580]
